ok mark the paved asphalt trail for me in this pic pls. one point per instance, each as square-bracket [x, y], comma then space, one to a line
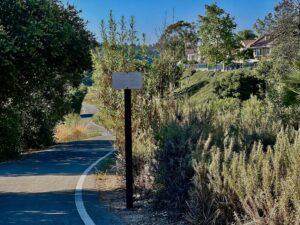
[39, 189]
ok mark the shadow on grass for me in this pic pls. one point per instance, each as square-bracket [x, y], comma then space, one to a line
[189, 91]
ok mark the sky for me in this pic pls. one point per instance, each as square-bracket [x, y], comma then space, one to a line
[151, 14]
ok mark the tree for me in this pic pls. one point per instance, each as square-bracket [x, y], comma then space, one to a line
[176, 38]
[246, 35]
[264, 26]
[217, 39]
[286, 32]
[165, 74]
[112, 29]
[291, 94]
[44, 52]
[8, 68]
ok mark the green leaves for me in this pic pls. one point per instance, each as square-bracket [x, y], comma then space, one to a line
[10, 134]
[291, 95]
[217, 40]
[44, 51]
[240, 84]
[264, 26]
[177, 38]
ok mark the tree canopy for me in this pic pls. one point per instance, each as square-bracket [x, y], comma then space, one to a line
[264, 26]
[44, 52]
[286, 32]
[246, 34]
[176, 38]
[216, 33]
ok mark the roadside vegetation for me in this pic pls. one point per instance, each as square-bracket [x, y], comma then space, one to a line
[44, 54]
[211, 147]
[70, 129]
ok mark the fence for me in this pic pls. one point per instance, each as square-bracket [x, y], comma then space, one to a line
[220, 66]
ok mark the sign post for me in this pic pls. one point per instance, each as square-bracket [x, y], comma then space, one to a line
[128, 81]
[128, 149]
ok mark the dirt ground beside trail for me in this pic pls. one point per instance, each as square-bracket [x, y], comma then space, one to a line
[112, 196]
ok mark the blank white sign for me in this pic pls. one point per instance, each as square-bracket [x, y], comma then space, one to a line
[124, 80]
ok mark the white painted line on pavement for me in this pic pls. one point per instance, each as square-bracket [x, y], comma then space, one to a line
[78, 192]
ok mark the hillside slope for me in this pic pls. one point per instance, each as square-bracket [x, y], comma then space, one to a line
[201, 86]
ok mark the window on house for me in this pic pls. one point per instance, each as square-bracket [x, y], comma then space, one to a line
[257, 52]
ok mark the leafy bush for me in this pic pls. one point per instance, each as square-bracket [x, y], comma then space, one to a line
[239, 84]
[10, 135]
[164, 76]
[259, 187]
[44, 52]
[77, 97]
[143, 159]
[106, 118]
[291, 95]
[199, 139]
[176, 142]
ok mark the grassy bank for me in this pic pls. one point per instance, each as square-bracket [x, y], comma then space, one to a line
[199, 87]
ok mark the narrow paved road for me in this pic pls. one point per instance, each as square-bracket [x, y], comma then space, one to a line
[40, 188]
[86, 112]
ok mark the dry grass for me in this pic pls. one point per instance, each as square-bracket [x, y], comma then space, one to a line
[65, 133]
[70, 129]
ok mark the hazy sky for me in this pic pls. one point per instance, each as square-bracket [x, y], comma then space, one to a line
[151, 14]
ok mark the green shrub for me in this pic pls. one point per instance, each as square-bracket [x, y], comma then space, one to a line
[143, 153]
[106, 118]
[247, 121]
[10, 135]
[260, 187]
[202, 208]
[39, 130]
[236, 142]
[239, 84]
[77, 96]
[44, 52]
[176, 142]
[210, 134]
[259, 122]
[291, 93]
